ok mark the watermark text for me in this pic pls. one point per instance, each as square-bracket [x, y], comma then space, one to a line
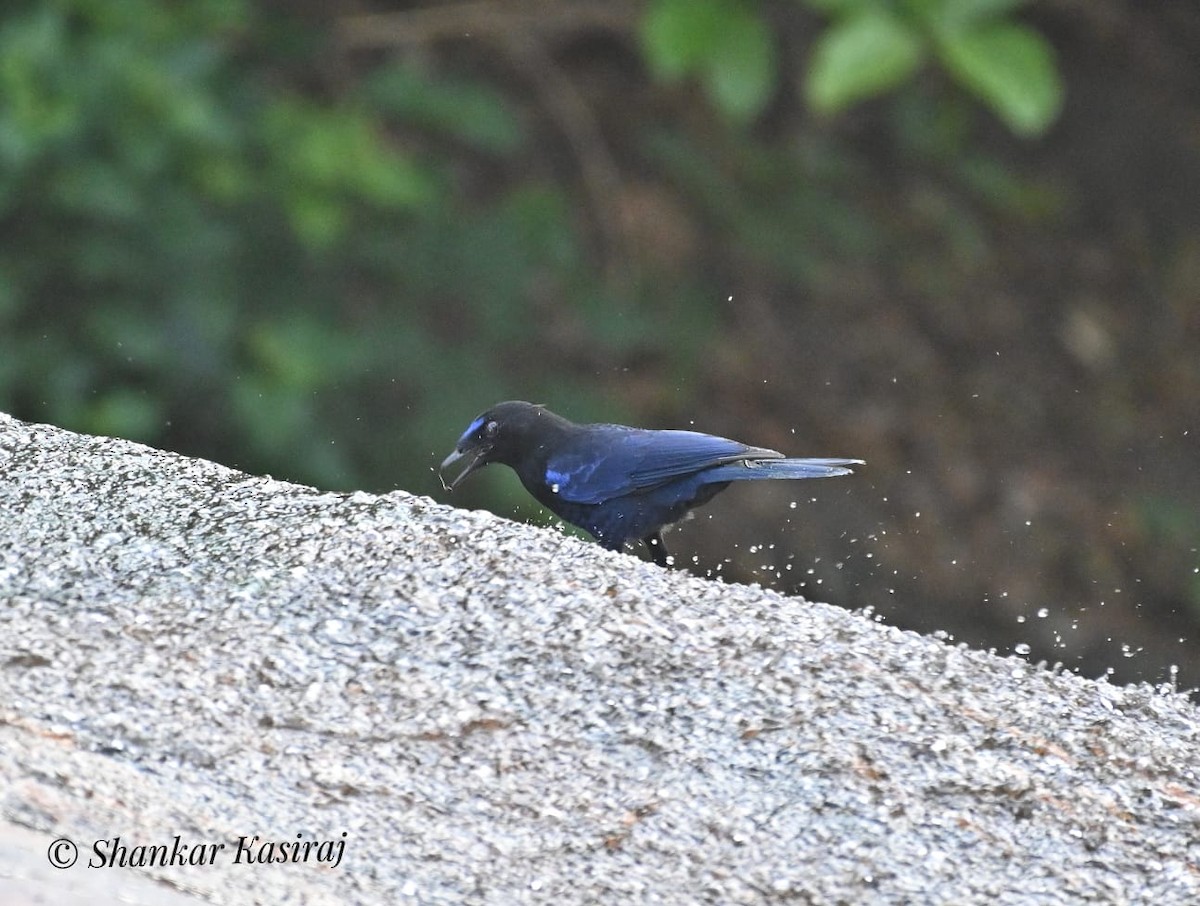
[252, 849]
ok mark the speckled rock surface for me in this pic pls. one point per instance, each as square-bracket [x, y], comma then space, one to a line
[476, 711]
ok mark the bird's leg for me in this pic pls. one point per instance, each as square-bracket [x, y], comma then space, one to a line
[658, 550]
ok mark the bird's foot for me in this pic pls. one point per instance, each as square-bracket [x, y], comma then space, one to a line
[658, 550]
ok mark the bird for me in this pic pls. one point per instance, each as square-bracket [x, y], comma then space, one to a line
[620, 484]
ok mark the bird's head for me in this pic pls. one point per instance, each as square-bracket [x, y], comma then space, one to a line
[495, 436]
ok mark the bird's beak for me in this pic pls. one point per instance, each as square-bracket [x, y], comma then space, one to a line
[476, 457]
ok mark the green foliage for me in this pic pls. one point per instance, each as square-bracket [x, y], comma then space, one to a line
[870, 47]
[935, 129]
[475, 114]
[1011, 67]
[724, 43]
[172, 217]
[874, 46]
[860, 56]
[206, 252]
[203, 254]
[320, 158]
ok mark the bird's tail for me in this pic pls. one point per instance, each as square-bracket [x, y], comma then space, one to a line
[755, 469]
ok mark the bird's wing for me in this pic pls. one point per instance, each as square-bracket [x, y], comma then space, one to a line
[608, 461]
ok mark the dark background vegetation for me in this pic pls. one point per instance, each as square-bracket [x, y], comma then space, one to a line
[957, 238]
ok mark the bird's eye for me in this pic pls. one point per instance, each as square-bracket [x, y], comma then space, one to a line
[491, 428]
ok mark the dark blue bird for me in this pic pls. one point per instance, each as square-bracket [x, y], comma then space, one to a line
[620, 484]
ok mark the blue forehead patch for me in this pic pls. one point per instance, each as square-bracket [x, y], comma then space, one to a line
[471, 429]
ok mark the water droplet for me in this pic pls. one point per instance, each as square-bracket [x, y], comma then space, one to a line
[1021, 648]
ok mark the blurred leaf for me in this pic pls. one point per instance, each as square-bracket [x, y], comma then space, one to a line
[123, 412]
[137, 342]
[859, 57]
[297, 353]
[741, 75]
[273, 417]
[872, 46]
[319, 218]
[37, 108]
[327, 159]
[223, 178]
[472, 112]
[842, 8]
[934, 126]
[679, 35]
[99, 188]
[950, 14]
[1011, 67]
[726, 43]
[1007, 190]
